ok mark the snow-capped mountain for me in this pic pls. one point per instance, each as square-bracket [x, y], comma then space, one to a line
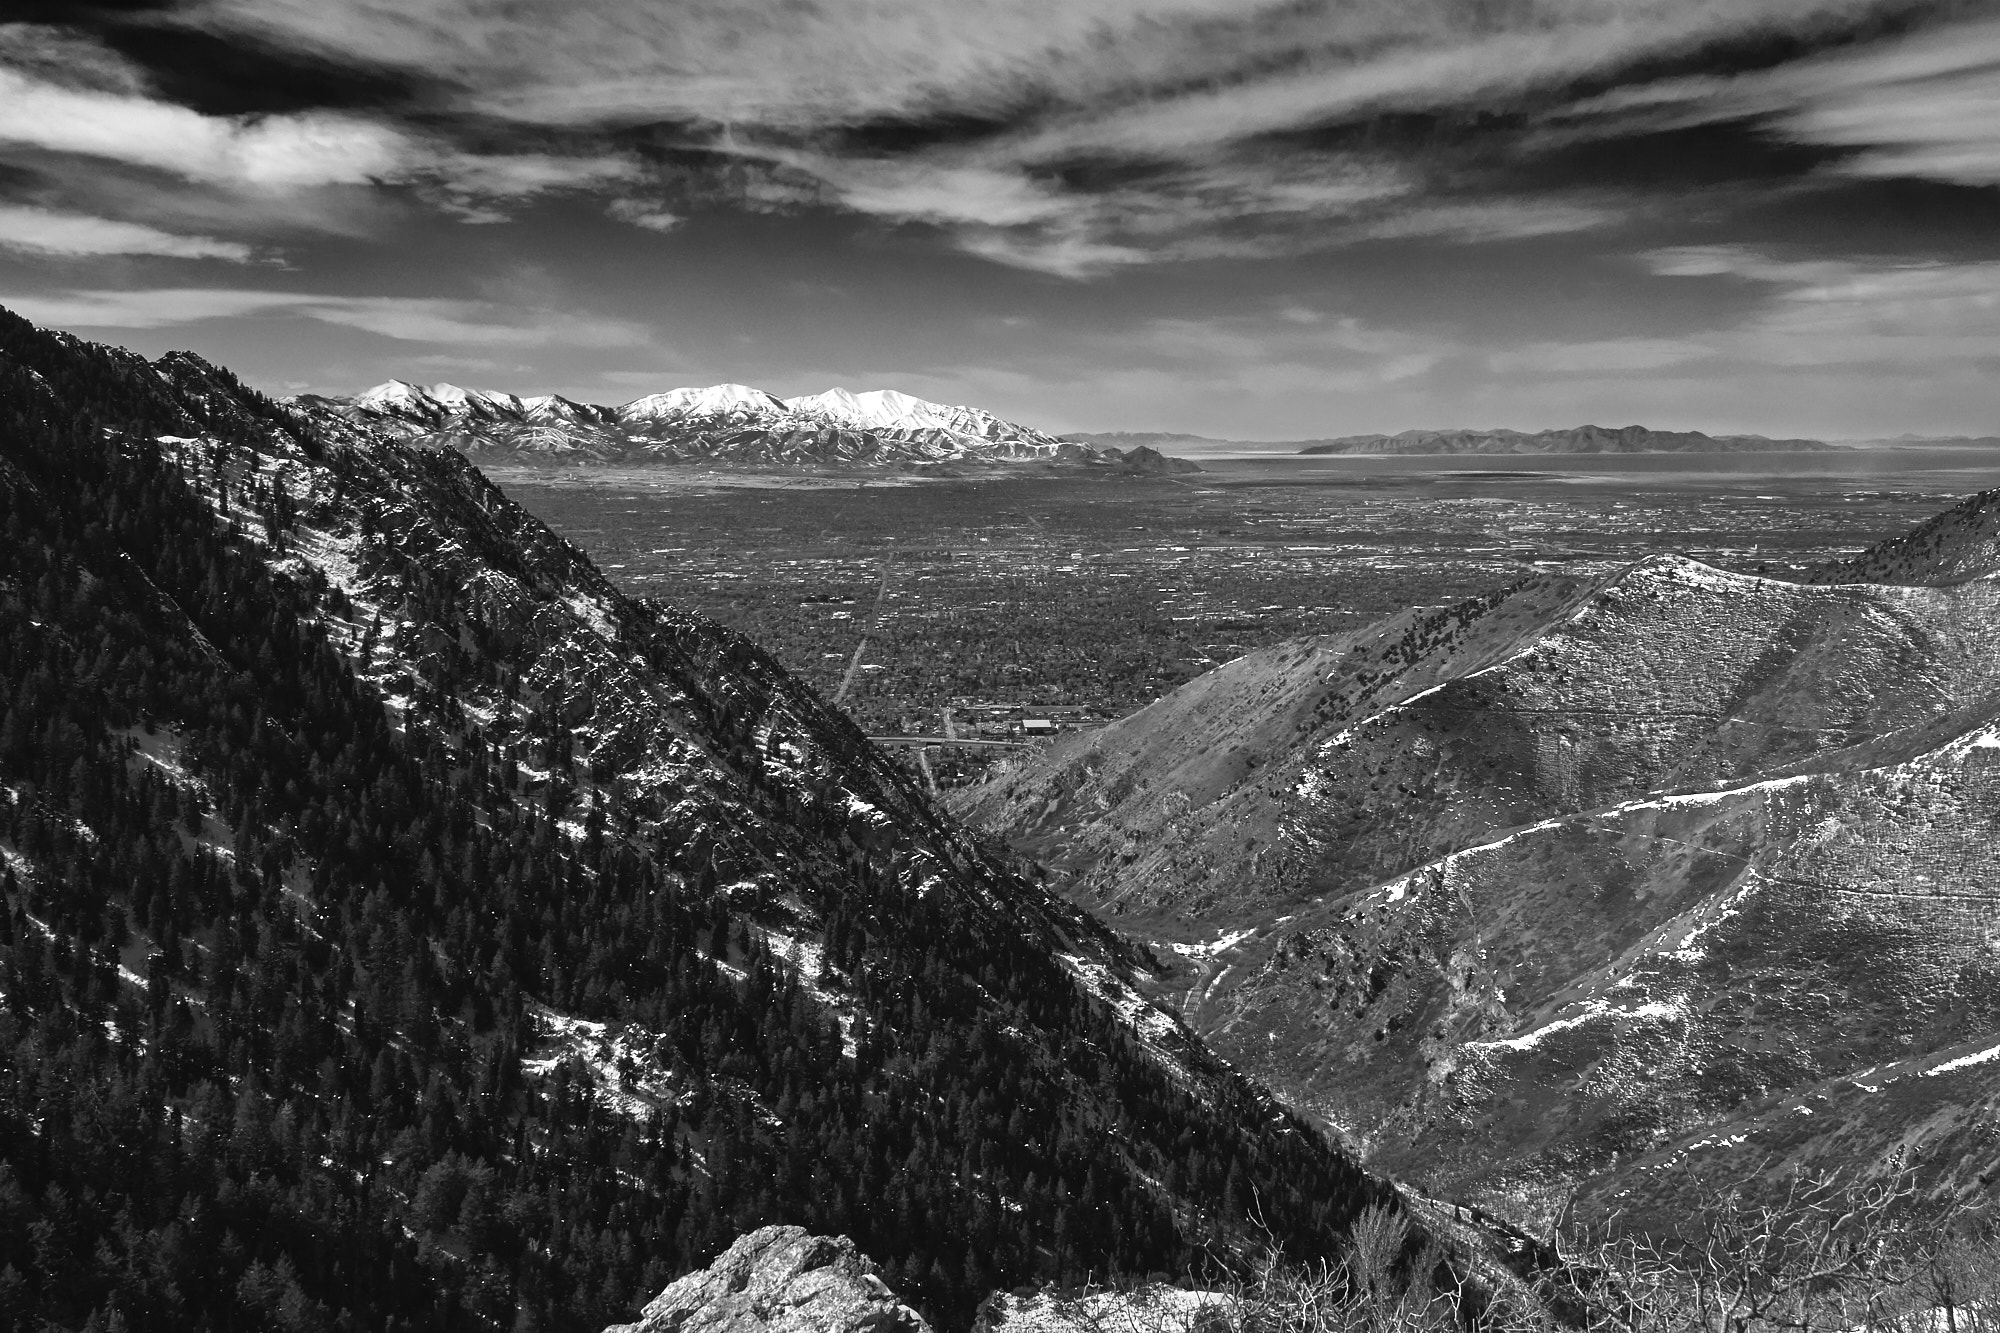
[727, 401]
[720, 423]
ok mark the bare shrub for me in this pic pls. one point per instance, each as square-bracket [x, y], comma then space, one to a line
[1818, 1258]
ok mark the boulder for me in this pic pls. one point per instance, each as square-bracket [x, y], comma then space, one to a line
[785, 1280]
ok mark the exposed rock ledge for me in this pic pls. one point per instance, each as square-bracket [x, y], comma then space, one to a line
[784, 1280]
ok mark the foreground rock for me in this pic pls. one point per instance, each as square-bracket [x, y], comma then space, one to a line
[780, 1278]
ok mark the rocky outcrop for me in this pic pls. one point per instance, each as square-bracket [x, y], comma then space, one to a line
[783, 1279]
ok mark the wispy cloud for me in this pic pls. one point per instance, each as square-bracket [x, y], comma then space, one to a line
[1072, 137]
[74, 235]
[1925, 106]
[115, 120]
[406, 319]
[643, 213]
[272, 151]
[1075, 137]
[1600, 356]
[1866, 318]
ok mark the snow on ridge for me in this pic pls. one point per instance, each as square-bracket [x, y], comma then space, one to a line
[1223, 942]
[1679, 568]
[871, 409]
[1347, 735]
[1398, 888]
[392, 394]
[1963, 1062]
[1651, 1011]
[1146, 1021]
[714, 399]
[595, 612]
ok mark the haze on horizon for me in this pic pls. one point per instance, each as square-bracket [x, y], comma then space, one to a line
[1243, 220]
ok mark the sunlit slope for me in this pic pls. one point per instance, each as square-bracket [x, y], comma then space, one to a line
[1524, 890]
[1325, 765]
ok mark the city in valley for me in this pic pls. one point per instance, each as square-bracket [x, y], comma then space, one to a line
[959, 618]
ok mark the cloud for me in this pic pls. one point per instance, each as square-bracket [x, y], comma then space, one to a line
[278, 154]
[1492, 220]
[1926, 105]
[1075, 137]
[50, 232]
[1599, 357]
[640, 213]
[1072, 137]
[273, 151]
[405, 319]
[1865, 314]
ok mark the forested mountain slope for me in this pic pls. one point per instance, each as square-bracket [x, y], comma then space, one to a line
[1520, 892]
[403, 928]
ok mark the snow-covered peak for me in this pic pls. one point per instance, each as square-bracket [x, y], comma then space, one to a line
[437, 402]
[555, 407]
[877, 407]
[878, 426]
[455, 399]
[715, 400]
[394, 395]
[889, 409]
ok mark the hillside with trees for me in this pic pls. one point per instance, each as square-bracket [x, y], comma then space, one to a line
[402, 928]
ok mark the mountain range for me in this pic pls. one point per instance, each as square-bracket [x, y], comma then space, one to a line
[1588, 884]
[400, 925]
[1576, 440]
[723, 423]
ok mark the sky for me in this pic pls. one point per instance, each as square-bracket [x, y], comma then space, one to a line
[1230, 218]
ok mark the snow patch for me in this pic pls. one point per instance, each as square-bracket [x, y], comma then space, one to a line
[1653, 1011]
[1221, 944]
[594, 612]
[618, 1058]
[1148, 1309]
[1153, 1027]
[1964, 1062]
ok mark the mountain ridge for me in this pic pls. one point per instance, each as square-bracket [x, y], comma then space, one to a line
[722, 423]
[1574, 440]
[401, 921]
[1473, 884]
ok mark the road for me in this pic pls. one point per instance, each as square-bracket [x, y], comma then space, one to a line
[860, 649]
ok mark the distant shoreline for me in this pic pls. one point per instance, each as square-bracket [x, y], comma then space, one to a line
[1211, 448]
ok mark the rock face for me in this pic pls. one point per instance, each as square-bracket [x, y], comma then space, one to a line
[782, 1279]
